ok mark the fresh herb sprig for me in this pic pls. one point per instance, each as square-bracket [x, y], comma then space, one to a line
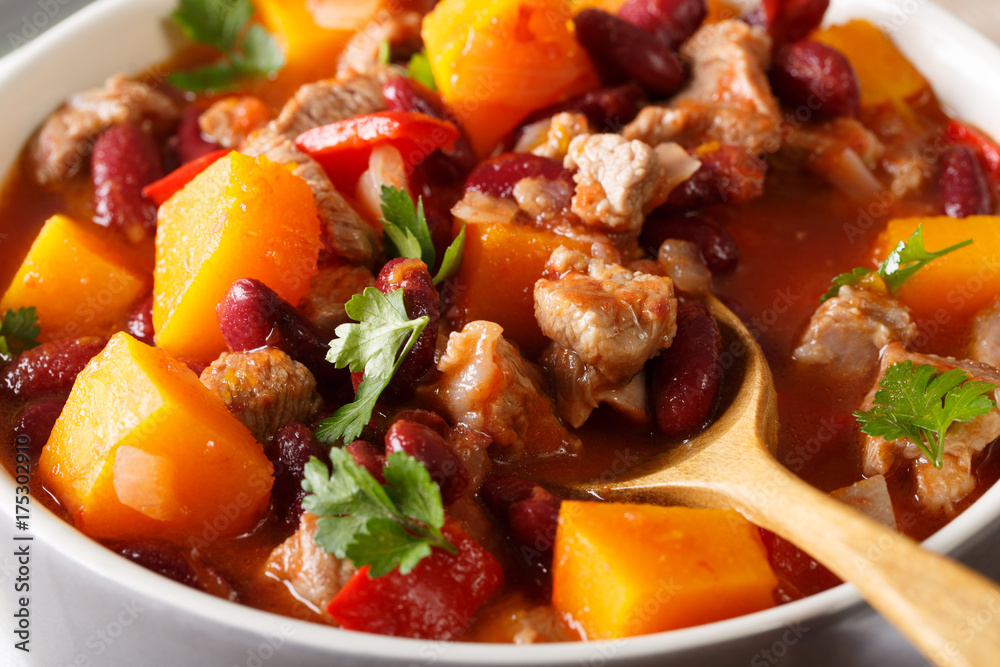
[405, 225]
[388, 526]
[905, 260]
[18, 332]
[371, 345]
[248, 49]
[419, 69]
[920, 403]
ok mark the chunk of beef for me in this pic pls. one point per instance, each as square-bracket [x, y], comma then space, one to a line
[331, 100]
[543, 199]
[615, 319]
[313, 575]
[66, 138]
[848, 330]
[230, 121]
[619, 181]
[579, 388]
[728, 100]
[985, 345]
[346, 231]
[329, 291]
[265, 389]
[553, 136]
[938, 489]
[488, 386]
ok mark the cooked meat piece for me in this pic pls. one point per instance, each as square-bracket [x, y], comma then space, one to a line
[513, 619]
[870, 497]
[471, 446]
[848, 330]
[615, 319]
[329, 291]
[265, 389]
[559, 131]
[331, 100]
[65, 140]
[579, 388]
[842, 151]
[314, 575]
[230, 121]
[488, 386]
[399, 29]
[682, 262]
[728, 100]
[619, 181]
[986, 336]
[543, 199]
[937, 489]
[348, 234]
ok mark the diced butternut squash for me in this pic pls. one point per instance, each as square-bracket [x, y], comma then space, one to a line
[497, 279]
[143, 449]
[496, 61]
[961, 282]
[242, 217]
[610, 6]
[311, 38]
[80, 283]
[623, 570]
[884, 73]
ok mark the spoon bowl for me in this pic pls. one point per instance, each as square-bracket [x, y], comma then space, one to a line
[934, 601]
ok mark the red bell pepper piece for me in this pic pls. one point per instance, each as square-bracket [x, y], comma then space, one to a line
[987, 149]
[437, 600]
[343, 148]
[163, 189]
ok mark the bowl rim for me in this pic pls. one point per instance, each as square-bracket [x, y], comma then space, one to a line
[103, 563]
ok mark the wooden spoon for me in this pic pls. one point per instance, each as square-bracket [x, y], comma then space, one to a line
[947, 611]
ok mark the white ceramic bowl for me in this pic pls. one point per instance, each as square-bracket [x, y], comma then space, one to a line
[90, 607]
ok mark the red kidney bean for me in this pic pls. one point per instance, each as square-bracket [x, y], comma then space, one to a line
[429, 419]
[718, 248]
[818, 78]
[499, 493]
[427, 446]
[497, 176]
[420, 298]
[405, 94]
[622, 51]
[124, 160]
[799, 575]
[364, 455]
[789, 20]
[728, 175]
[685, 379]
[606, 109]
[669, 21]
[189, 144]
[140, 322]
[290, 450]
[440, 229]
[529, 510]
[162, 558]
[49, 369]
[252, 315]
[964, 190]
[33, 426]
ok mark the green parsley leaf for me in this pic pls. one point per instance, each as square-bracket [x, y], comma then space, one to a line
[844, 279]
[18, 332]
[383, 526]
[419, 69]
[905, 260]
[248, 50]
[909, 257]
[371, 345]
[409, 235]
[921, 403]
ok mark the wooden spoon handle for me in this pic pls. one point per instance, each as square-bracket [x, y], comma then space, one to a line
[949, 612]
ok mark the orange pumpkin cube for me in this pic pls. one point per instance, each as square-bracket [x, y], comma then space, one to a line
[80, 283]
[622, 570]
[144, 449]
[497, 279]
[242, 217]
